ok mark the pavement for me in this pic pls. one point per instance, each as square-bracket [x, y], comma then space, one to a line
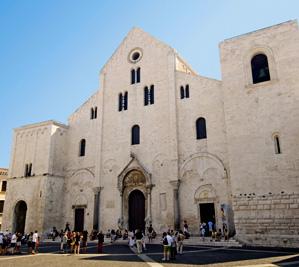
[120, 254]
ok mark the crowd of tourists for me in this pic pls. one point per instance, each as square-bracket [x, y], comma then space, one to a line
[75, 242]
[10, 243]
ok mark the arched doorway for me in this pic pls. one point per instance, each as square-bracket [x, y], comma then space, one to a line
[136, 210]
[20, 216]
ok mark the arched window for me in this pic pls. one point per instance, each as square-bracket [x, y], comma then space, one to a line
[91, 114]
[95, 112]
[82, 148]
[277, 144]
[260, 68]
[132, 76]
[182, 92]
[138, 75]
[187, 91]
[201, 132]
[120, 102]
[135, 135]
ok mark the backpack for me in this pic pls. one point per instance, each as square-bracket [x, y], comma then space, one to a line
[165, 242]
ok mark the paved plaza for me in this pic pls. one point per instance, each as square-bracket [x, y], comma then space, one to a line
[119, 254]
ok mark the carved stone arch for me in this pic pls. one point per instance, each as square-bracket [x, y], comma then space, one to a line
[81, 199]
[213, 158]
[262, 49]
[205, 193]
[80, 171]
[135, 176]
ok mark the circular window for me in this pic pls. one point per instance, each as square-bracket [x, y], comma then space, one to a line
[135, 55]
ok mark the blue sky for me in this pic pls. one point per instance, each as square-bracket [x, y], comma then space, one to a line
[51, 52]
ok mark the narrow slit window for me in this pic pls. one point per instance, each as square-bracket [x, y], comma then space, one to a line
[138, 75]
[132, 76]
[91, 114]
[182, 91]
[277, 144]
[82, 148]
[146, 93]
[187, 91]
[120, 100]
[95, 112]
[125, 101]
[151, 95]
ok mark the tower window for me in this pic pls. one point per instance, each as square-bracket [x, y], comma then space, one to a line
[277, 144]
[133, 76]
[28, 170]
[260, 68]
[135, 135]
[93, 113]
[201, 132]
[3, 187]
[184, 91]
[149, 95]
[82, 148]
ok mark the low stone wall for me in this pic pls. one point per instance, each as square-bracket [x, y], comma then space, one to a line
[267, 220]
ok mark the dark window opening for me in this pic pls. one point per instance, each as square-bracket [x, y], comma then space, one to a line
[1, 206]
[135, 56]
[95, 112]
[120, 102]
[3, 187]
[135, 135]
[260, 68]
[91, 114]
[145, 96]
[132, 76]
[187, 91]
[28, 170]
[82, 148]
[125, 101]
[138, 75]
[151, 95]
[201, 132]
[277, 145]
[182, 92]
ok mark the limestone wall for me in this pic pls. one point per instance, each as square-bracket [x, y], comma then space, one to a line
[254, 113]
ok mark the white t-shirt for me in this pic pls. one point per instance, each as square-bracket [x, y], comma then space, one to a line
[169, 240]
[35, 237]
[14, 238]
[1, 239]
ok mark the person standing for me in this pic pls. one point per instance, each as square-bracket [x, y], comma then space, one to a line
[13, 242]
[210, 226]
[166, 240]
[77, 243]
[138, 237]
[150, 231]
[35, 239]
[100, 237]
[84, 241]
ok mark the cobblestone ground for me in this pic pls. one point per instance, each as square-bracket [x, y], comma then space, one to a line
[122, 255]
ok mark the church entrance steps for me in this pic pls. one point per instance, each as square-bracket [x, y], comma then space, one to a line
[198, 241]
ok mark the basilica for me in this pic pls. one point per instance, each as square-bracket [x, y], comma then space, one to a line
[158, 144]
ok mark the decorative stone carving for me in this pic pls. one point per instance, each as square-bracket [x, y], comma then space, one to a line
[134, 178]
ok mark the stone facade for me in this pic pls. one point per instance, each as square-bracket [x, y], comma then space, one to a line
[3, 182]
[233, 176]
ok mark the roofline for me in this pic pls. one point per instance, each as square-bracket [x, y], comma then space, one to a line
[294, 21]
[39, 124]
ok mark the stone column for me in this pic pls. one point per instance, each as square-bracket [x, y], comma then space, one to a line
[96, 210]
[120, 221]
[176, 203]
[148, 218]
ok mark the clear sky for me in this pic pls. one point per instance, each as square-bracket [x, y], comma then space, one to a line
[51, 52]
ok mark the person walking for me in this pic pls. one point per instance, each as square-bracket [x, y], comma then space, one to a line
[13, 242]
[180, 242]
[100, 237]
